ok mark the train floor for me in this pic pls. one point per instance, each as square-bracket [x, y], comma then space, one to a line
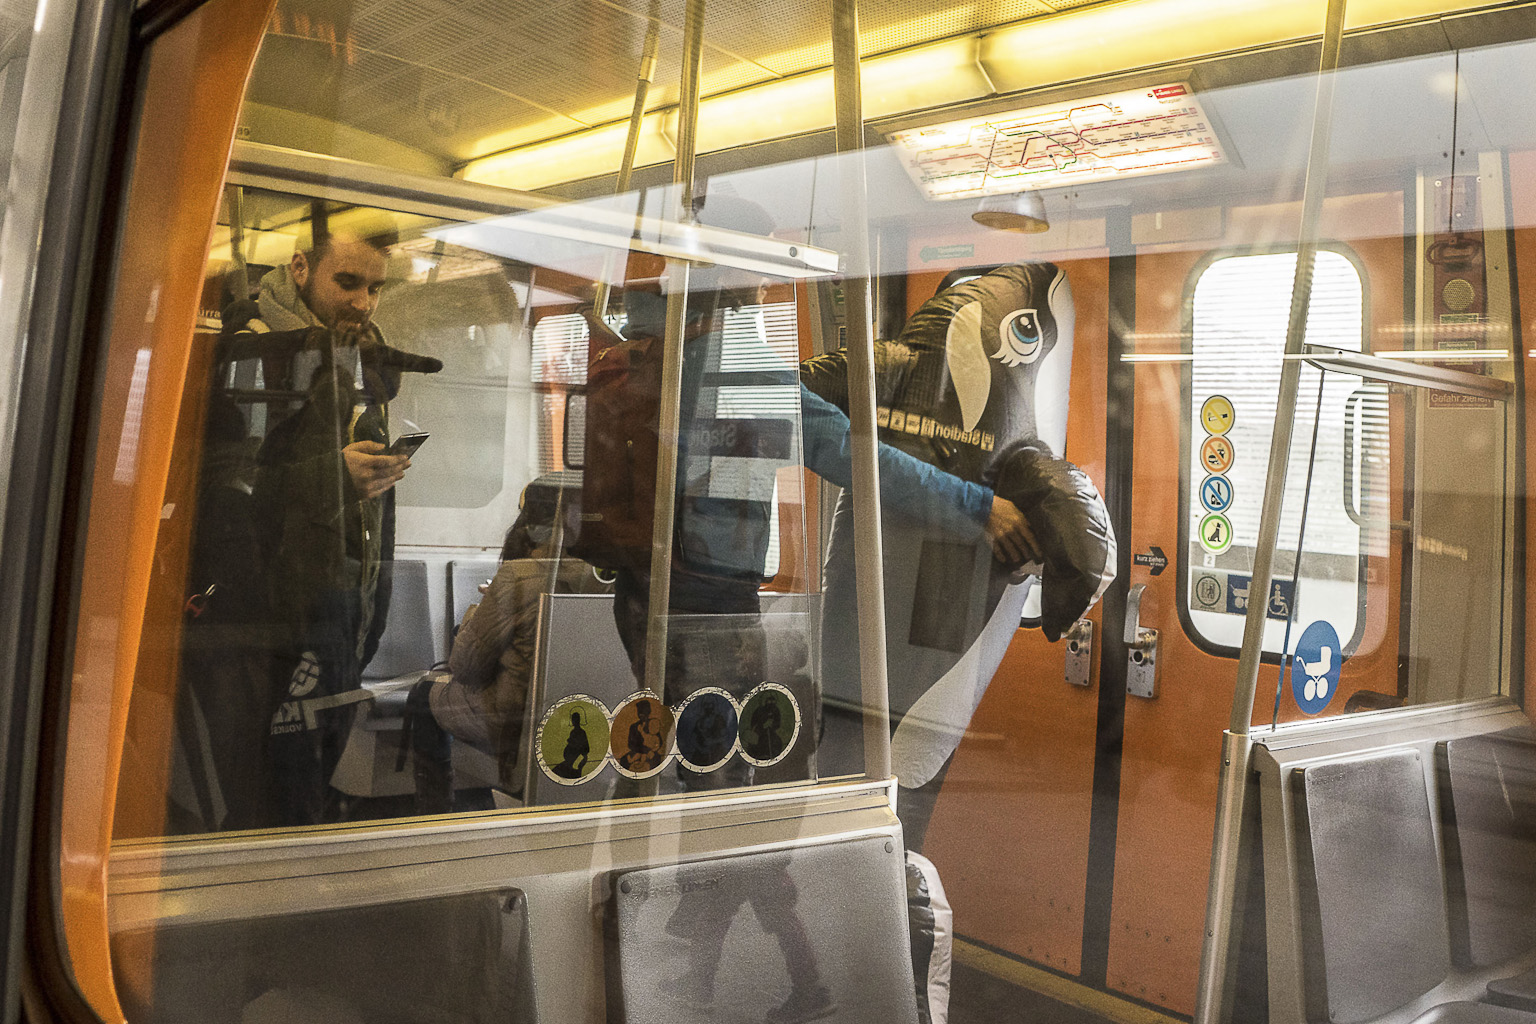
[976, 997]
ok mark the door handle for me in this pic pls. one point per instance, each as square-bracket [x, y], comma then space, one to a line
[1079, 658]
[1141, 655]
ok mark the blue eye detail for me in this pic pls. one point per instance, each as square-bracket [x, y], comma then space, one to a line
[1024, 329]
[1019, 334]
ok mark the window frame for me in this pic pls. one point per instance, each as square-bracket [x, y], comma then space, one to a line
[1186, 414]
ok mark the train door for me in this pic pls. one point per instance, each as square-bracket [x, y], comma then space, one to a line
[1202, 424]
[1111, 833]
[1033, 739]
[1104, 743]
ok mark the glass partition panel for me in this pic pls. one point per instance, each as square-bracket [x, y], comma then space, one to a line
[508, 539]
[394, 504]
[1425, 460]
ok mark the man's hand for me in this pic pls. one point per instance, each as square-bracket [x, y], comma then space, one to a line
[1013, 542]
[371, 470]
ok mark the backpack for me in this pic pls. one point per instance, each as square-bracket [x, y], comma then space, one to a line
[723, 513]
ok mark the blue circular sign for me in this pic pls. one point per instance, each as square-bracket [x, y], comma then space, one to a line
[1216, 494]
[1315, 667]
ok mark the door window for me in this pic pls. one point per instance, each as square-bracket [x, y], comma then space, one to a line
[1238, 311]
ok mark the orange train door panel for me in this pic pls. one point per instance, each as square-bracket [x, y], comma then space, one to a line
[1099, 807]
[1023, 776]
[1171, 742]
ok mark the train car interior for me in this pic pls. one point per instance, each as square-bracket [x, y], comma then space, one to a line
[1029, 497]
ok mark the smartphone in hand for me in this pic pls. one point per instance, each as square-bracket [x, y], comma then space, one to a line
[406, 444]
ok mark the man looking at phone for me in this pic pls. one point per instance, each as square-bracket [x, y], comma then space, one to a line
[323, 494]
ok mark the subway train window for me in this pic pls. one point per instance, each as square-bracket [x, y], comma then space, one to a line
[704, 511]
[1238, 315]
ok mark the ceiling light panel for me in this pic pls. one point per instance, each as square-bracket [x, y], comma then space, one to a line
[1093, 138]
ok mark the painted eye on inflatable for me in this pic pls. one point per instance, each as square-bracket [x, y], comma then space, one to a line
[1019, 333]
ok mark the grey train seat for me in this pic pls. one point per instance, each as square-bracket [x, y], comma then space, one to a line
[731, 939]
[467, 961]
[1488, 796]
[407, 644]
[1400, 864]
[464, 578]
[1472, 1013]
[1377, 902]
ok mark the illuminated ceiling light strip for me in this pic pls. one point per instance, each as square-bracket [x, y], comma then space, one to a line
[1157, 357]
[1105, 38]
[1077, 45]
[931, 75]
[580, 155]
[1460, 330]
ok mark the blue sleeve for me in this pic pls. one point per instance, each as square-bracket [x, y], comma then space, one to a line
[908, 486]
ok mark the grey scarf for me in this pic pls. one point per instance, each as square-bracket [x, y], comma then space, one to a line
[283, 309]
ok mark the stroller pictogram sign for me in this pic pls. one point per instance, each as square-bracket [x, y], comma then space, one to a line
[1315, 667]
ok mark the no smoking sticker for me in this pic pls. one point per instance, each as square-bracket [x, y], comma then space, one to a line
[1216, 415]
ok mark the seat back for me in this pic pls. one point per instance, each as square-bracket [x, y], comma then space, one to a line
[465, 575]
[735, 938]
[1488, 805]
[578, 653]
[407, 644]
[1373, 906]
[410, 962]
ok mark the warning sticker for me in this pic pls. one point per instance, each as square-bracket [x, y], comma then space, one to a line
[1217, 415]
[1216, 455]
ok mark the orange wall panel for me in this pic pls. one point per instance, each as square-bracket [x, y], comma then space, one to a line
[195, 76]
[1010, 828]
[1172, 743]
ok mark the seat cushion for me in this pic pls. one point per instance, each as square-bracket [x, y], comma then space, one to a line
[1518, 992]
[1473, 1013]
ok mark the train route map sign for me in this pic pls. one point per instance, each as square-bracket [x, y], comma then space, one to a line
[1140, 131]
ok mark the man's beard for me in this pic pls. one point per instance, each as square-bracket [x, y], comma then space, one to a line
[343, 320]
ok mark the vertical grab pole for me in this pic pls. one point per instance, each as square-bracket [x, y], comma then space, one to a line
[632, 140]
[1213, 998]
[236, 278]
[869, 559]
[672, 358]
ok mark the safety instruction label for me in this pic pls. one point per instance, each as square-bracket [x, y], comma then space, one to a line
[1216, 493]
[1229, 593]
[1278, 602]
[1207, 592]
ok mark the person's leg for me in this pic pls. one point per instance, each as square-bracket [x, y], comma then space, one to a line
[776, 908]
[431, 751]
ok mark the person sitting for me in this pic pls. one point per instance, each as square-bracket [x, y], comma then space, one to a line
[484, 700]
